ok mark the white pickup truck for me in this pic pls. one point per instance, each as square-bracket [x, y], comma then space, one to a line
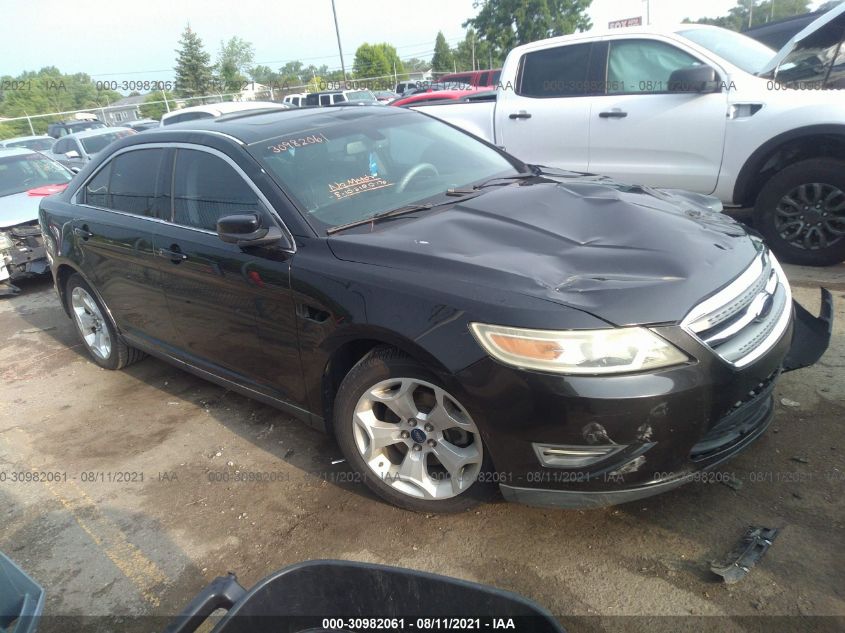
[692, 107]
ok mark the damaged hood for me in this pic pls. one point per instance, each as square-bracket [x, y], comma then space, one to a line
[833, 20]
[628, 255]
[18, 208]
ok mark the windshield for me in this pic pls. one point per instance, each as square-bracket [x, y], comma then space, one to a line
[38, 144]
[95, 144]
[355, 168]
[21, 173]
[360, 95]
[86, 125]
[740, 50]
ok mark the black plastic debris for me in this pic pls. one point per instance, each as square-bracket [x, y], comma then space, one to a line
[745, 555]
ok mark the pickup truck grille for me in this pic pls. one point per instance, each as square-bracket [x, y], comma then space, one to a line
[744, 320]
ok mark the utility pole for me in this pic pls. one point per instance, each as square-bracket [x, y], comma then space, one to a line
[750, 12]
[339, 47]
[473, 50]
[164, 96]
[772, 12]
[647, 12]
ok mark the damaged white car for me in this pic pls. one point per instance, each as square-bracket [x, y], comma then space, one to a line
[25, 178]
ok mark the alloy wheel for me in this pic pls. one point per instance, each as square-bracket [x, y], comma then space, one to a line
[90, 322]
[417, 438]
[811, 216]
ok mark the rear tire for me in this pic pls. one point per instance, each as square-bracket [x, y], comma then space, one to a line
[95, 328]
[440, 463]
[801, 212]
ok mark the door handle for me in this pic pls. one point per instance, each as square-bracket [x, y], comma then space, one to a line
[522, 114]
[613, 114]
[82, 233]
[173, 255]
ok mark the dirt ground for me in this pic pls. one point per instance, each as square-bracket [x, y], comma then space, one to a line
[136, 517]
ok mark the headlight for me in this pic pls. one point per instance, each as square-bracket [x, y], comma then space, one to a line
[5, 241]
[611, 351]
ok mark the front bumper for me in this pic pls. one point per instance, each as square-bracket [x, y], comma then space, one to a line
[672, 424]
[26, 257]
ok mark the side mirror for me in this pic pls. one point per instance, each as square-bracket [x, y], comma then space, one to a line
[694, 79]
[246, 230]
[72, 154]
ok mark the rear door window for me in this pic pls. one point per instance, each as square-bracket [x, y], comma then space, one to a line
[555, 72]
[138, 183]
[207, 188]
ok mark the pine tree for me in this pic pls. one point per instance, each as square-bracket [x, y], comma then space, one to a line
[442, 62]
[193, 66]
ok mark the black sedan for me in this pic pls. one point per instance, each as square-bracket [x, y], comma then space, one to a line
[458, 320]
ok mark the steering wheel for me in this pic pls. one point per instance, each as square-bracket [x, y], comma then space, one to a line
[413, 172]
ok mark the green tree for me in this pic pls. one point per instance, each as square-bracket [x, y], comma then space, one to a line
[748, 13]
[193, 66]
[509, 23]
[416, 65]
[442, 62]
[471, 50]
[376, 60]
[150, 110]
[45, 91]
[233, 62]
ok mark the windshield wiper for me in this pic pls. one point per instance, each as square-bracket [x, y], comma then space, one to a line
[491, 182]
[408, 208]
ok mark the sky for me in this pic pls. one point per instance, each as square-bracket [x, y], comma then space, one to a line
[124, 41]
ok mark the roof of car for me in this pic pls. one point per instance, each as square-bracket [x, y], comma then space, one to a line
[16, 151]
[17, 139]
[226, 106]
[100, 131]
[251, 127]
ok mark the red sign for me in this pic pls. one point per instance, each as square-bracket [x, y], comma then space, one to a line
[621, 24]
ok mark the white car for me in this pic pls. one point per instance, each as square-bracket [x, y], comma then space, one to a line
[212, 110]
[25, 178]
[39, 143]
[76, 149]
[296, 100]
[691, 107]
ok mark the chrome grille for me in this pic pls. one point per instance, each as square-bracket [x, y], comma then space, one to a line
[745, 319]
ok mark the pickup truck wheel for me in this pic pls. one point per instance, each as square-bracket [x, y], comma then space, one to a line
[801, 212]
[95, 328]
[409, 440]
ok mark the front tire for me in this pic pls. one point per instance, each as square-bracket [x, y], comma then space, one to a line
[95, 328]
[801, 212]
[410, 441]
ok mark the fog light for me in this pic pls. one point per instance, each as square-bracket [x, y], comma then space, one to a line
[573, 456]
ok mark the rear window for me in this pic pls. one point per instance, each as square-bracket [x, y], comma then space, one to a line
[96, 144]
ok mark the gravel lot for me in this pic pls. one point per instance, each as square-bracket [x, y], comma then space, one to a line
[103, 541]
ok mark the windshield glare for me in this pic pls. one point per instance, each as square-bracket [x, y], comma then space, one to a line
[740, 50]
[22, 173]
[354, 169]
[95, 144]
[38, 144]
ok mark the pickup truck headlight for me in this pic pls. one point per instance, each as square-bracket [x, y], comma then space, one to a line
[610, 351]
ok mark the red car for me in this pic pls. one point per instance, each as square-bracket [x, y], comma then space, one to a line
[478, 78]
[437, 95]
